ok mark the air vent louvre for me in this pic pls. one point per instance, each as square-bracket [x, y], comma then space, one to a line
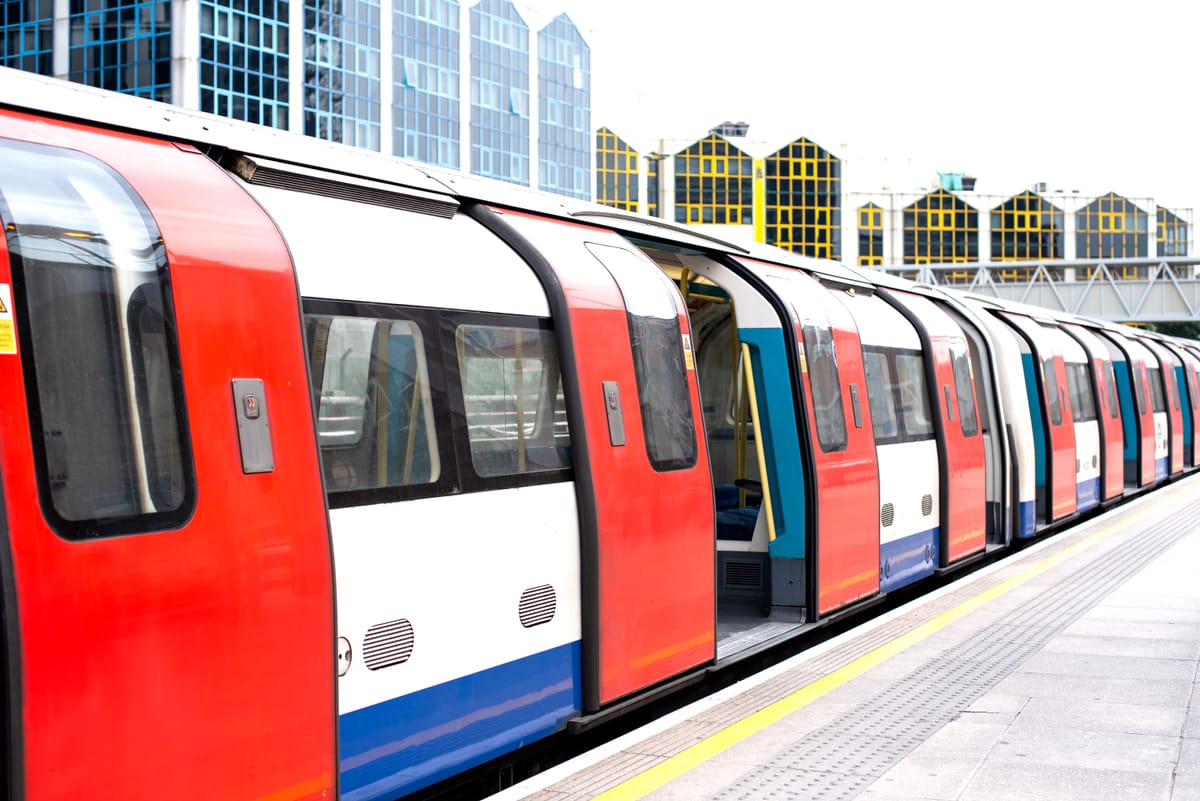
[294, 178]
[388, 644]
[927, 505]
[887, 514]
[743, 574]
[537, 606]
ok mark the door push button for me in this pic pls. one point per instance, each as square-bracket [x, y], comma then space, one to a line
[253, 425]
[612, 407]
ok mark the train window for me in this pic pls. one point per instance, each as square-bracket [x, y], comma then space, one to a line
[914, 396]
[881, 388]
[1138, 379]
[961, 366]
[1079, 386]
[1154, 376]
[1050, 379]
[94, 310]
[1114, 403]
[658, 360]
[826, 386]
[374, 406]
[513, 399]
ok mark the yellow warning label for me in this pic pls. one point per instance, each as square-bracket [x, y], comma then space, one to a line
[687, 353]
[8, 343]
[3, 308]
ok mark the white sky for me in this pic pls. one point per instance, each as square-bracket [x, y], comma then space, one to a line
[1012, 91]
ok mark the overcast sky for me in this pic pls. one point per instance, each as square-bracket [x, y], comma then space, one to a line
[1094, 96]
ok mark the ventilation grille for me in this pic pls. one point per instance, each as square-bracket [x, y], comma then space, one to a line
[294, 178]
[927, 505]
[887, 515]
[744, 574]
[537, 606]
[388, 644]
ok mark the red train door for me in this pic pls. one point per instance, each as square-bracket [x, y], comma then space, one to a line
[847, 472]
[964, 472]
[647, 520]
[1137, 359]
[1112, 484]
[1169, 388]
[170, 616]
[1051, 373]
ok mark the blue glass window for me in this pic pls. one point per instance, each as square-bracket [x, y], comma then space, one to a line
[122, 45]
[28, 34]
[565, 89]
[499, 92]
[426, 95]
[341, 71]
[244, 60]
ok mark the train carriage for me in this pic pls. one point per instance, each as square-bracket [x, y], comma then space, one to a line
[369, 474]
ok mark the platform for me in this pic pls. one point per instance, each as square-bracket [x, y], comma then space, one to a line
[1066, 672]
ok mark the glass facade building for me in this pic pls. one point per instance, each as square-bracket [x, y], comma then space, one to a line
[393, 77]
[426, 115]
[28, 35]
[244, 60]
[122, 45]
[499, 92]
[564, 110]
[616, 171]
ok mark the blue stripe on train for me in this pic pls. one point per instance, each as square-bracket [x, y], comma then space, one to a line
[1087, 493]
[1028, 525]
[407, 743]
[907, 559]
[1160, 468]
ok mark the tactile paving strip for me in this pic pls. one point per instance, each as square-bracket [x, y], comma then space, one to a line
[838, 760]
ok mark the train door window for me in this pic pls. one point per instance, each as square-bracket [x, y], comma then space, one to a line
[1114, 410]
[914, 397]
[1079, 387]
[1154, 376]
[1138, 380]
[658, 359]
[94, 310]
[826, 387]
[961, 367]
[1050, 379]
[375, 422]
[881, 395]
[513, 399]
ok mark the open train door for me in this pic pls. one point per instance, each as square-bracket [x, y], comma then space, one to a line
[834, 385]
[641, 461]
[1167, 386]
[1046, 381]
[952, 390]
[1130, 360]
[1112, 469]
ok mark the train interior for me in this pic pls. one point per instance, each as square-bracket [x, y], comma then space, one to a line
[745, 617]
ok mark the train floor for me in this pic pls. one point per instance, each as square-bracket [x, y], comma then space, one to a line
[1067, 672]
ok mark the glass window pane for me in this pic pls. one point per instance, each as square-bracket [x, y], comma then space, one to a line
[824, 380]
[658, 360]
[513, 398]
[115, 459]
[375, 411]
[914, 396]
[961, 366]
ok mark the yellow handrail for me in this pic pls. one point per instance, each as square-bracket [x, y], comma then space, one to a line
[748, 370]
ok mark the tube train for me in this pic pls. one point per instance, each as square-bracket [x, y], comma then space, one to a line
[324, 474]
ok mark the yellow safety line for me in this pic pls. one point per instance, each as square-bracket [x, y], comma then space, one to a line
[696, 755]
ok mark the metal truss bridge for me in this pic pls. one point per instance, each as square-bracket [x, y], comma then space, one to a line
[1145, 290]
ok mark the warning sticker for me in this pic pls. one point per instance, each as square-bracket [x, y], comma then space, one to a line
[8, 339]
[687, 353]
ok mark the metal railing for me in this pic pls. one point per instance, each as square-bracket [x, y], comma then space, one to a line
[1140, 290]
